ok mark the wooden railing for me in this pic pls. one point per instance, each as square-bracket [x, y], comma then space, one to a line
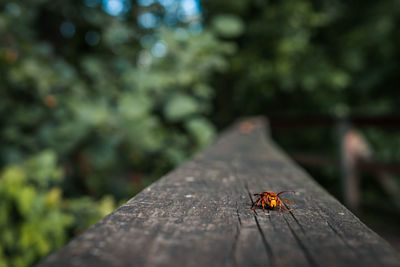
[199, 215]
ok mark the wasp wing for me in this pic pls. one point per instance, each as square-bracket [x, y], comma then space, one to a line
[287, 201]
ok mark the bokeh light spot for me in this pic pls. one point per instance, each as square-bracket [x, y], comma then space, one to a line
[190, 7]
[147, 20]
[67, 29]
[159, 49]
[144, 59]
[116, 7]
[92, 38]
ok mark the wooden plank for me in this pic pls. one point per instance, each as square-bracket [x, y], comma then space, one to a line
[198, 215]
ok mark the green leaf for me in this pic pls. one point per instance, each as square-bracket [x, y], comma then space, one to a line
[227, 25]
[43, 168]
[180, 106]
[134, 106]
[202, 130]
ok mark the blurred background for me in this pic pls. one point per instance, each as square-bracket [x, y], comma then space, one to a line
[99, 98]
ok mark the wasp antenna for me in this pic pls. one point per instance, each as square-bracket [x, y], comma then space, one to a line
[286, 191]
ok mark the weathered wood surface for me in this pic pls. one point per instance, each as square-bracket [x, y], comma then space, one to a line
[198, 215]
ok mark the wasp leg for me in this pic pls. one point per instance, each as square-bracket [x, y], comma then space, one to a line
[255, 205]
[263, 206]
[286, 208]
[282, 204]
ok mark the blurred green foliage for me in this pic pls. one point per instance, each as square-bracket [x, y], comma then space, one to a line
[94, 107]
[34, 216]
[305, 57]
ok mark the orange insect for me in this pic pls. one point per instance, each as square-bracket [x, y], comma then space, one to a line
[271, 200]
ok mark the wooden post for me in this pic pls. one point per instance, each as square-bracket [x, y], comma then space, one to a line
[348, 169]
[199, 215]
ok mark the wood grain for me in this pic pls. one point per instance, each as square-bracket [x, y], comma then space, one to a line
[198, 215]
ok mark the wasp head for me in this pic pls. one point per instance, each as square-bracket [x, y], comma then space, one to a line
[272, 201]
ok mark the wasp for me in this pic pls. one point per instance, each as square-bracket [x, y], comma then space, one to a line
[271, 200]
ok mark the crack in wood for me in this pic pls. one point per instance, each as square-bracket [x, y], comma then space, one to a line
[248, 191]
[302, 246]
[237, 213]
[267, 246]
[237, 234]
[234, 245]
[295, 219]
[251, 198]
